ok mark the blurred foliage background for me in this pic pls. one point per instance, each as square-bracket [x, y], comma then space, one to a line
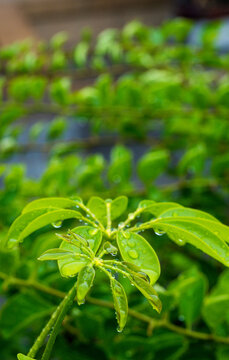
[149, 121]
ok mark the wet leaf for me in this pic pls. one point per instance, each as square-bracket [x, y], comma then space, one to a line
[84, 283]
[98, 208]
[118, 206]
[55, 254]
[120, 303]
[148, 291]
[207, 235]
[51, 202]
[136, 250]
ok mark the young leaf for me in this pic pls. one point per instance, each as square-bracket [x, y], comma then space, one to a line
[55, 254]
[118, 206]
[98, 208]
[135, 249]
[91, 234]
[148, 291]
[120, 303]
[84, 283]
[71, 265]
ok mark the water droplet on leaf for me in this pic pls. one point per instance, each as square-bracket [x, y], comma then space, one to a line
[57, 224]
[133, 254]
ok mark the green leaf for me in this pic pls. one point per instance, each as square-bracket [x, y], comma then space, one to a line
[24, 357]
[120, 168]
[120, 303]
[189, 289]
[81, 53]
[20, 224]
[71, 265]
[98, 208]
[57, 127]
[157, 208]
[152, 165]
[91, 234]
[200, 232]
[216, 304]
[55, 254]
[193, 160]
[148, 291]
[118, 206]
[51, 202]
[20, 311]
[52, 217]
[84, 283]
[135, 249]
[58, 40]
[183, 211]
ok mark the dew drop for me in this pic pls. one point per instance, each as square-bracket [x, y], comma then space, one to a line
[57, 224]
[131, 216]
[119, 329]
[133, 254]
[180, 242]
[159, 232]
[131, 243]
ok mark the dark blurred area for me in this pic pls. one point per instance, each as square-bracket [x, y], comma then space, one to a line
[198, 9]
[43, 18]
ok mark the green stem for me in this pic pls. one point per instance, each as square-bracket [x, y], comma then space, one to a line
[108, 206]
[54, 318]
[129, 219]
[66, 304]
[87, 210]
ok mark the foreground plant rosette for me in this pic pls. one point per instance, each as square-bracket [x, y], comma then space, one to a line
[110, 240]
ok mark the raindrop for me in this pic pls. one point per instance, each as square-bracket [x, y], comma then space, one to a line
[159, 232]
[119, 329]
[11, 243]
[133, 254]
[57, 224]
[131, 216]
[93, 232]
[180, 242]
[121, 224]
[131, 243]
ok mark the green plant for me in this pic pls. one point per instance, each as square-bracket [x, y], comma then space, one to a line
[89, 248]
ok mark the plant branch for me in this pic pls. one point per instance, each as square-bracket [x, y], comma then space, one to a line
[135, 314]
[64, 307]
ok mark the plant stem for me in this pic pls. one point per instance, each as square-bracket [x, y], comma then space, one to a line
[66, 304]
[135, 314]
[108, 206]
[87, 210]
[55, 319]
